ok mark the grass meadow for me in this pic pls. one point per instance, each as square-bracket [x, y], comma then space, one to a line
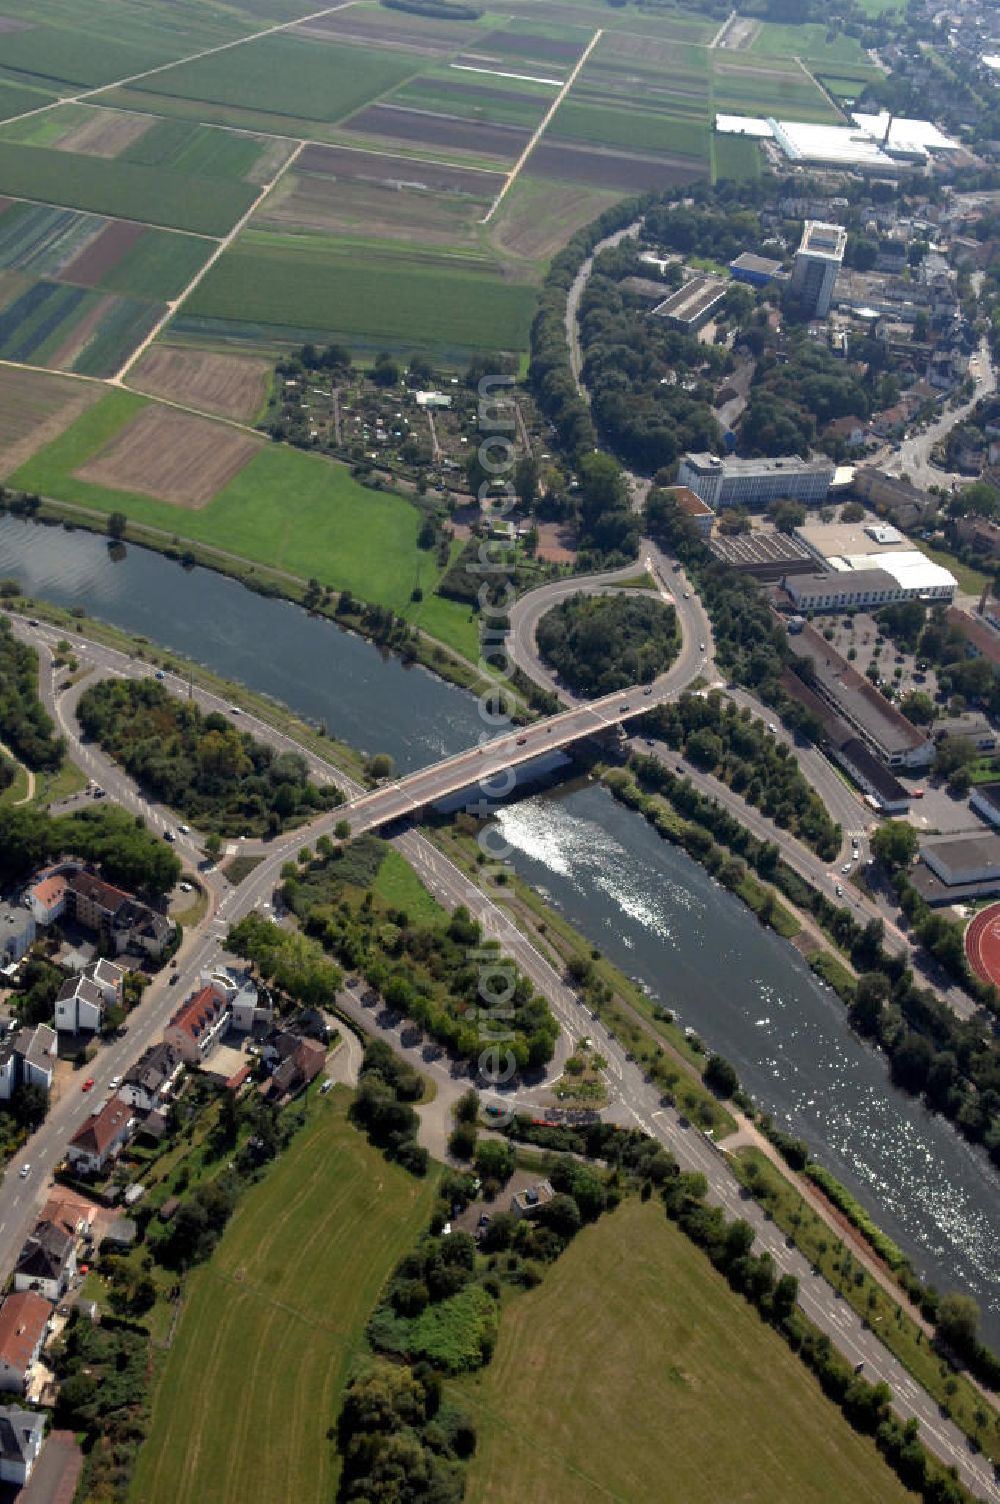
[286, 509]
[633, 1373]
[274, 1323]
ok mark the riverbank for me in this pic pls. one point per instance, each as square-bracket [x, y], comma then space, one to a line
[388, 632]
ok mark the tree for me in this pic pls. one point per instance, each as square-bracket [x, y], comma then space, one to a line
[213, 845]
[958, 1322]
[720, 1076]
[918, 707]
[116, 525]
[895, 844]
[379, 766]
[852, 511]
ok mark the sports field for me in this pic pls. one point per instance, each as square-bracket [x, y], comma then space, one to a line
[273, 1323]
[982, 944]
[633, 1373]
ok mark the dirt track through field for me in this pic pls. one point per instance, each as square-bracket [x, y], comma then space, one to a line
[542, 126]
[172, 457]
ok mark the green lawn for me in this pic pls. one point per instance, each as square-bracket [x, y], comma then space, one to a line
[404, 297]
[812, 42]
[286, 509]
[633, 129]
[633, 1374]
[401, 888]
[273, 1323]
[971, 581]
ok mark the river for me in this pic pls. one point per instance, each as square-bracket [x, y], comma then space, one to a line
[650, 908]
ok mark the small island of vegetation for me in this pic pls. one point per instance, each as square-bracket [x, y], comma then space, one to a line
[601, 644]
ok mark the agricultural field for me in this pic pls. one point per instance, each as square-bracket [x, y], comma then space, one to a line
[670, 1391]
[337, 190]
[815, 44]
[277, 82]
[158, 196]
[227, 386]
[78, 292]
[170, 456]
[743, 84]
[325, 524]
[273, 1324]
[373, 295]
[35, 407]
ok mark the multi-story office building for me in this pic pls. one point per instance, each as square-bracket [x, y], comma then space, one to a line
[817, 261]
[755, 483]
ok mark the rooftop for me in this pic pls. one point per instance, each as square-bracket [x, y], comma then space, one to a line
[102, 1127]
[884, 783]
[693, 300]
[747, 261]
[689, 502]
[49, 890]
[789, 464]
[829, 540]
[976, 632]
[958, 855]
[822, 241]
[23, 1318]
[200, 1011]
[859, 699]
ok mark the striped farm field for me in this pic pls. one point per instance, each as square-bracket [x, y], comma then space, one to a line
[272, 1325]
[407, 298]
[88, 250]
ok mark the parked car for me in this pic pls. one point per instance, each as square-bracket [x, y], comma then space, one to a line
[168, 835]
[88, 1085]
[115, 1082]
[175, 978]
[159, 674]
[24, 1172]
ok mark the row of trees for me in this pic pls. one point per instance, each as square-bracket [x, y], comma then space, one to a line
[728, 740]
[25, 725]
[119, 844]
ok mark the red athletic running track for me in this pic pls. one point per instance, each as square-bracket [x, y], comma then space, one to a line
[982, 944]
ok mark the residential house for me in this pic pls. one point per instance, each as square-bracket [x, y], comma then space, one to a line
[47, 897]
[22, 1435]
[24, 1322]
[199, 1023]
[47, 1261]
[79, 1006]
[100, 1139]
[250, 1007]
[972, 727]
[149, 1082]
[81, 1000]
[299, 1066]
[888, 422]
[17, 932]
[981, 640]
[528, 1203]
[850, 431]
[71, 1211]
[26, 1059]
[980, 534]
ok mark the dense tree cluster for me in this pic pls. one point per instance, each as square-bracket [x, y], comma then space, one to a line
[289, 961]
[398, 1442]
[119, 844]
[599, 644]
[794, 394]
[199, 764]
[383, 1106]
[430, 973]
[723, 738]
[103, 1373]
[25, 725]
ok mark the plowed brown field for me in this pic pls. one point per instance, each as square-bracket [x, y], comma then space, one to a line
[228, 386]
[171, 456]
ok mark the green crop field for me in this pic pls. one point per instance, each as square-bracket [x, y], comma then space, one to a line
[637, 130]
[284, 76]
[633, 1373]
[736, 157]
[159, 265]
[41, 326]
[782, 90]
[400, 297]
[273, 1323]
[209, 206]
[16, 98]
[203, 150]
[477, 97]
[286, 509]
